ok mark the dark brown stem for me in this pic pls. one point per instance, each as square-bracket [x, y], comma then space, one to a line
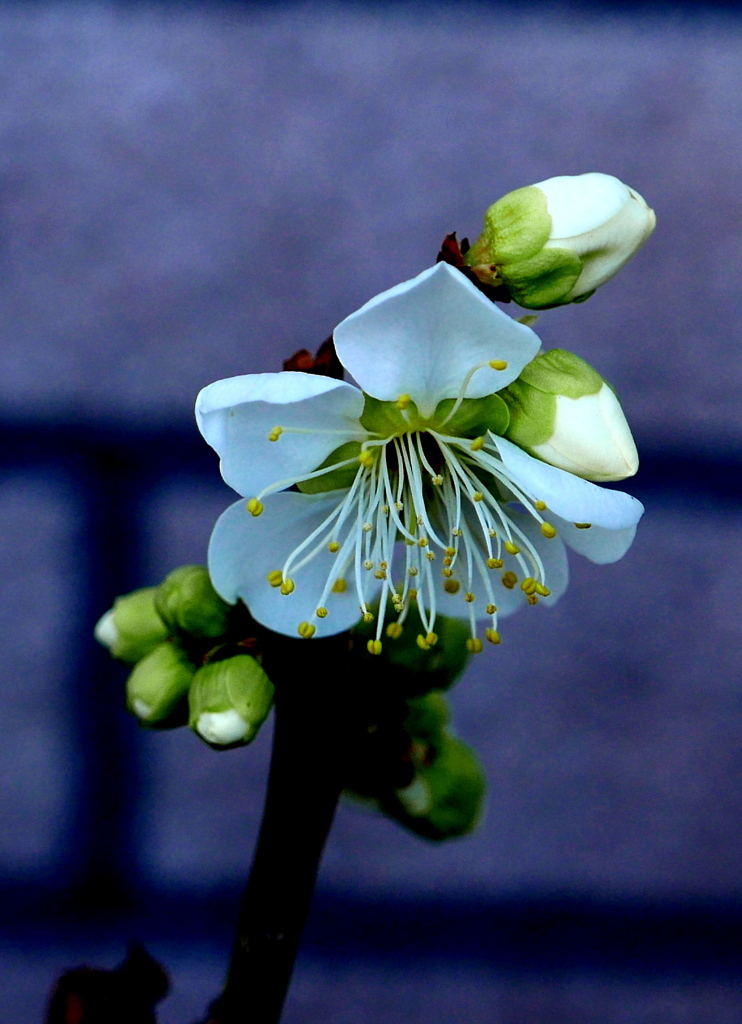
[313, 728]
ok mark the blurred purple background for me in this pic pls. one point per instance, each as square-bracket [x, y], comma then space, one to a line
[194, 191]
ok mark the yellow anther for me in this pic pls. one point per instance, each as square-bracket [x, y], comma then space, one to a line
[540, 505]
[275, 578]
[394, 630]
[409, 543]
[478, 496]
[509, 579]
[366, 458]
[542, 590]
[492, 533]
[494, 563]
[339, 586]
[385, 509]
[548, 531]
[430, 555]
[447, 560]
[491, 609]
[398, 505]
[474, 645]
[452, 586]
[254, 507]
[383, 565]
[367, 527]
[368, 616]
[275, 433]
[431, 639]
[492, 635]
[528, 586]
[498, 364]
[477, 444]
[437, 480]
[306, 630]
[333, 546]
[456, 532]
[374, 647]
[423, 542]
[422, 642]
[412, 594]
[447, 572]
[532, 599]
[380, 574]
[412, 571]
[287, 587]
[469, 597]
[321, 613]
[403, 401]
[512, 549]
[583, 526]
[368, 564]
[450, 552]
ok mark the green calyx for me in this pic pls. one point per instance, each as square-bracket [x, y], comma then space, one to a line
[516, 231]
[473, 417]
[516, 228]
[159, 682]
[335, 478]
[531, 399]
[139, 627]
[231, 685]
[188, 604]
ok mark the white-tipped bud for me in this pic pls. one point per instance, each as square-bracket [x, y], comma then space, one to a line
[159, 682]
[558, 240]
[229, 700]
[563, 412]
[132, 628]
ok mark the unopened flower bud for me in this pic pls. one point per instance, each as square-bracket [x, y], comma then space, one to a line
[132, 628]
[229, 700]
[445, 798]
[558, 240]
[158, 682]
[188, 603]
[427, 715]
[564, 413]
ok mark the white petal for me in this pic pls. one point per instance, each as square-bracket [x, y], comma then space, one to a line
[598, 544]
[105, 631]
[237, 415]
[582, 202]
[569, 496]
[244, 549]
[422, 337]
[222, 727]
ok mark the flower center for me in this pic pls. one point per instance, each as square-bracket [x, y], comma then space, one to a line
[440, 488]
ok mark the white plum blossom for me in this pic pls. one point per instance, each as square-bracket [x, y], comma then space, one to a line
[402, 489]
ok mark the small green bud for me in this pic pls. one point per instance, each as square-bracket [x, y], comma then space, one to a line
[229, 700]
[564, 413]
[445, 798]
[558, 240]
[188, 603]
[430, 666]
[132, 628]
[158, 682]
[427, 715]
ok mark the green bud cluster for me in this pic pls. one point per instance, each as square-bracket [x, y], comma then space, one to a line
[445, 797]
[187, 666]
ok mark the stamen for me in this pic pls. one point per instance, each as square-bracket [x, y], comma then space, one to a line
[548, 531]
[255, 507]
[540, 505]
[498, 364]
[509, 579]
[512, 549]
[474, 645]
[469, 597]
[492, 635]
[394, 630]
[374, 647]
[403, 401]
[452, 586]
[275, 578]
[583, 526]
[275, 433]
[431, 639]
[306, 630]
[491, 609]
[321, 613]
[339, 586]
[287, 587]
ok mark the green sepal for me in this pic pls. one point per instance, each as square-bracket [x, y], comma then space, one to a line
[138, 625]
[532, 414]
[543, 280]
[189, 605]
[451, 793]
[236, 683]
[158, 683]
[385, 418]
[337, 478]
[516, 227]
[474, 417]
[559, 372]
